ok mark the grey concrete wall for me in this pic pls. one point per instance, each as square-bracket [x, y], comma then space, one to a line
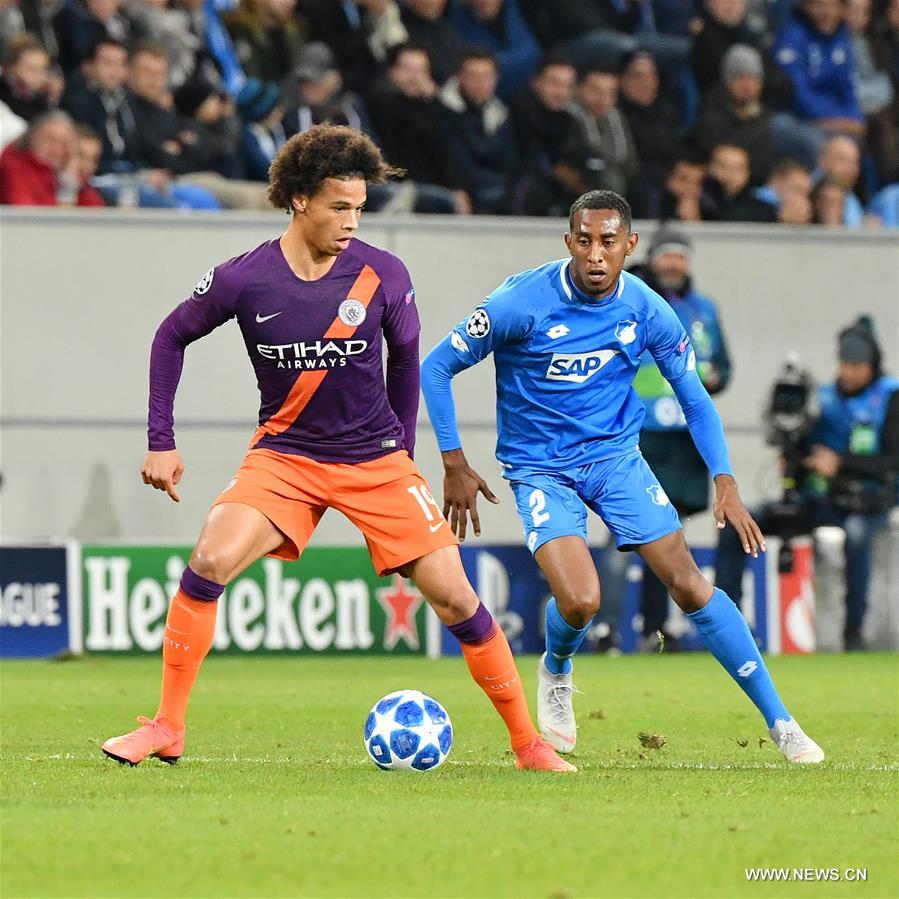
[81, 295]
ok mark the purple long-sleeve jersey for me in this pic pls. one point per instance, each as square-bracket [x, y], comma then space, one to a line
[316, 347]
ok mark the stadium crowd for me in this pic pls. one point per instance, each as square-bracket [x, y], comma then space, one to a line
[698, 110]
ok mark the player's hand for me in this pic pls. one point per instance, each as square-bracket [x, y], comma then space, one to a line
[461, 486]
[163, 471]
[729, 508]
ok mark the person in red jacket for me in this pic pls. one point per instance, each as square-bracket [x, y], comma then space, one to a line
[42, 168]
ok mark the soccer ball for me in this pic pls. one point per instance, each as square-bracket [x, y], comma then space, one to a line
[408, 729]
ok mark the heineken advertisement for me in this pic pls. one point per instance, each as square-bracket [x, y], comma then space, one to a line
[330, 601]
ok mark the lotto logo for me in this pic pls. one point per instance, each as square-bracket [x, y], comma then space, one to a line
[747, 668]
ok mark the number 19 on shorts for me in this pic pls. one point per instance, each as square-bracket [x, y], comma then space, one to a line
[428, 505]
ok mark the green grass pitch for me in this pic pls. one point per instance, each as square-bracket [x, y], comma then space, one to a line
[276, 797]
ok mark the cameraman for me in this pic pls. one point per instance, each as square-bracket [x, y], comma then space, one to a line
[850, 470]
[665, 442]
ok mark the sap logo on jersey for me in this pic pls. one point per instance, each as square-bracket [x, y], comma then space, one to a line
[315, 354]
[578, 367]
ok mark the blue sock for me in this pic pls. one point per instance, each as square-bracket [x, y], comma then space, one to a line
[562, 640]
[727, 636]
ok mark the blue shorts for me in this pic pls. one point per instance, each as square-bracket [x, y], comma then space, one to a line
[622, 491]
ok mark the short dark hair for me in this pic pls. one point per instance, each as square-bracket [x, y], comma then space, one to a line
[19, 46]
[324, 151]
[150, 48]
[394, 53]
[786, 166]
[596, 68]
[477, 54]
[554, 59]
[87, 133]
[104, 42]
[601, 199]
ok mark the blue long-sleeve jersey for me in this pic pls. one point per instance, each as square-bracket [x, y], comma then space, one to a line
[565, 364]
[821, 69]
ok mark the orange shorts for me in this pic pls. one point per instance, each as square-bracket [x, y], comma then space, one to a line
[387, 499]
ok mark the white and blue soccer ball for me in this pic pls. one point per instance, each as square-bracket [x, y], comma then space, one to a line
[408, 729]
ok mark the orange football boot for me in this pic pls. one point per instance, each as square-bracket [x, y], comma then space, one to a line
[153, 738]
[538, 755]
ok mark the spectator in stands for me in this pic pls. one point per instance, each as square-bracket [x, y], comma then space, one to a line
[872, 85]
[213, 116]
[319, 95]
[734, 112]
[166, 25]
[259, 104]
[654, 123]
[267, 37]
[26, 85]
[828, 201]
[727, 195]
[81, 24]
[481, 135]
[721, 25]
[428, 26]
[88, 151]
[816, 52]
[96, 96]
[840, 160]
[884, 136]
[885, 206]
[163, 142]
[500, 27]
[665, 440]
[41, 169]
[849, 471]
[410, 123]
[788, 192]
[12, 127]
[553, 149]
[360, 33]
[606, 130]
[215, 58]
[679, 198]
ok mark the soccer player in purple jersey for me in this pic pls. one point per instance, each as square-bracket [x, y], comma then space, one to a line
[314, 307]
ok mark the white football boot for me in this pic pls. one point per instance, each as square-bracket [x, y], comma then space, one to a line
[792, 741]
[555, 714]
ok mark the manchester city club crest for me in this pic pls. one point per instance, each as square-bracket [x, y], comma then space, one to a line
[351, 313]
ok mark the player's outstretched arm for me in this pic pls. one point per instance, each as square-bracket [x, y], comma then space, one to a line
[163, 470]
[461, 486]
[461, 483]
[729, 507]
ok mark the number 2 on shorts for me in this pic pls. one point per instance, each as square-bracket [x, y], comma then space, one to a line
[537, 502]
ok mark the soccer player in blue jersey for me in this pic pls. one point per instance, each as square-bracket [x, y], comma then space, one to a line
[566, 339]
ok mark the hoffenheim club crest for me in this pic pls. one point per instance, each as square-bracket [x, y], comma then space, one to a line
[626, 332]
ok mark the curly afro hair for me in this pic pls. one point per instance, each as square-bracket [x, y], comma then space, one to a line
[324, 151]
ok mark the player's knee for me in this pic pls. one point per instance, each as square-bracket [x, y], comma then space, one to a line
[688, 588]
[579, 606]
[454, 604]
[211, 564]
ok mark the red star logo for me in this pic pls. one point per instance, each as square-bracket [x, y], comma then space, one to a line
[400, 602]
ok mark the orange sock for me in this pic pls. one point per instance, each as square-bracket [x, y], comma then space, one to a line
[189, 629]
[493, 668]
